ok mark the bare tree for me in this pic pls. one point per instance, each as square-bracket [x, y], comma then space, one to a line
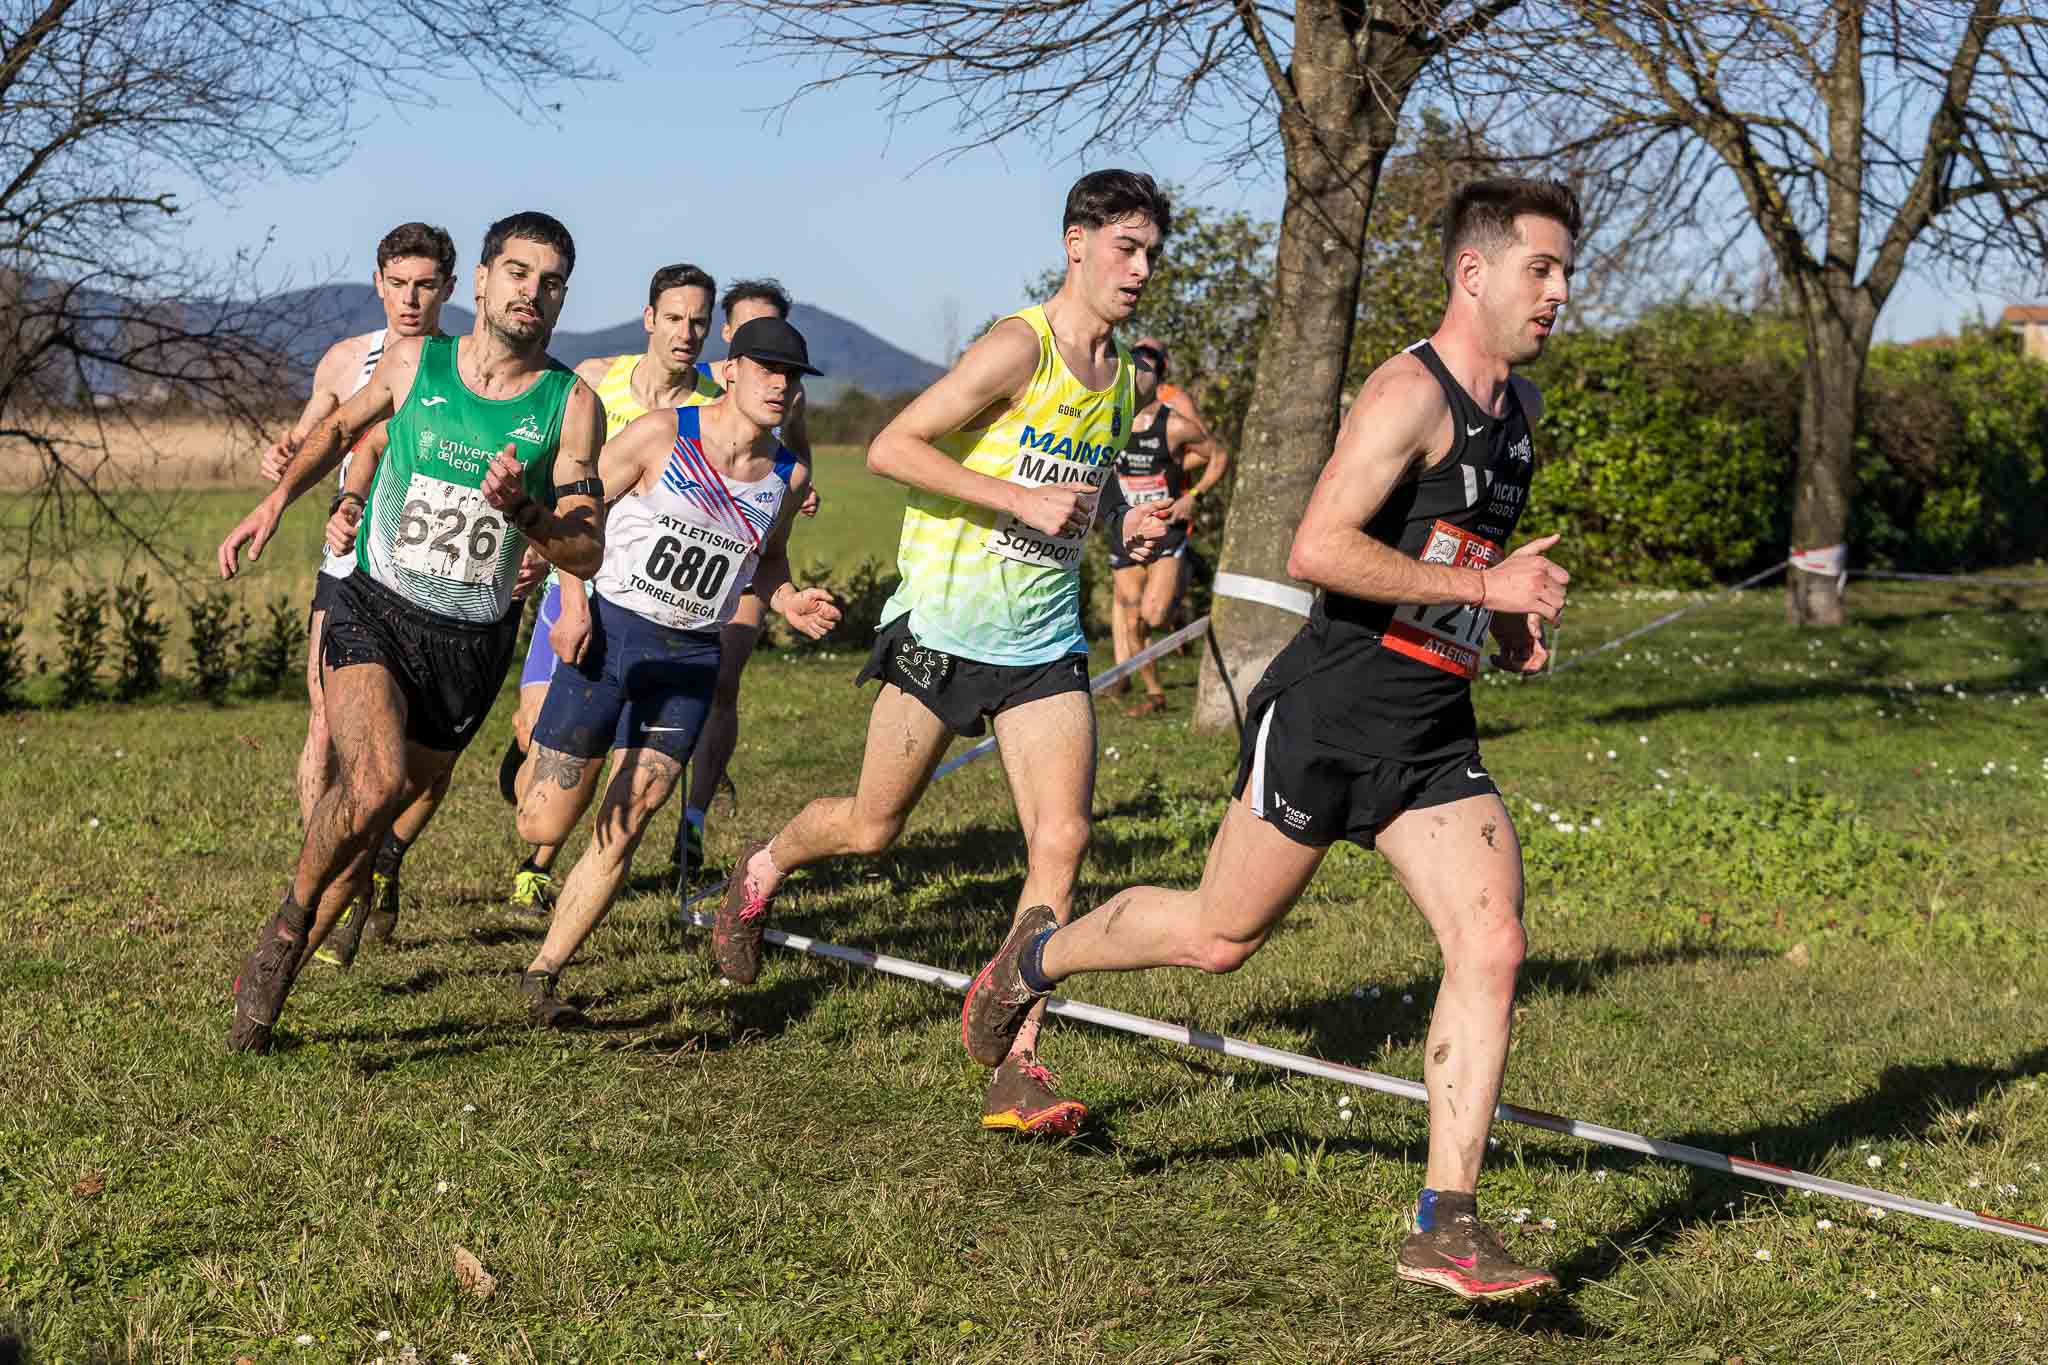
[1843, 136]
[1320, 82]
[104, 106]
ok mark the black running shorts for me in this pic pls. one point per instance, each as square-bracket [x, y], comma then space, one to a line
[962, 692]
[1316, 793]
[448, 671]
[325, 585]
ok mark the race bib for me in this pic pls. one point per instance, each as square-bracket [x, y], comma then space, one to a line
[1445, 635]
[1010, 538]
[682, 583]
[448, 531]
[1140, 489]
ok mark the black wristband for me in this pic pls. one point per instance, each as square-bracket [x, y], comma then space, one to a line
[591, 487]
[343, 496]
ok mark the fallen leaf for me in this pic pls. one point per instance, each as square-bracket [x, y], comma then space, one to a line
[90, 1184]
[471, 1275]
[1799, 956]
[252, 742]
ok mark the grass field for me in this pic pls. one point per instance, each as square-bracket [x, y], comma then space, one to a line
[1786, 899]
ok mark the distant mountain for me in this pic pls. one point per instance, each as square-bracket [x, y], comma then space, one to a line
[305, 322]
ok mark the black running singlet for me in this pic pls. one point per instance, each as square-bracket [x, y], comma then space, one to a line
[1395, 680]
[1147, 470]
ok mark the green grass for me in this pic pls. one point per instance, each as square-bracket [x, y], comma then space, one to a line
[792, 1171]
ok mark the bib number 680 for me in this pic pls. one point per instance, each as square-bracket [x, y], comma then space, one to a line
[694, 570]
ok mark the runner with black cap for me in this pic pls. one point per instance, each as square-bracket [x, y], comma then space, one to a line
[701, 499]
[1363, 728]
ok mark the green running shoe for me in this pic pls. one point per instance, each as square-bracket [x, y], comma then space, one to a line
[342, 943]
[533, 890]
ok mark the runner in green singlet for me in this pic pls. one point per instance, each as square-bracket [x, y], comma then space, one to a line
[492, 447]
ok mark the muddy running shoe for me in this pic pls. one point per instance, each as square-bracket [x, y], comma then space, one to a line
[998, 1000]
[545, 1009]
[1461, 1254]
[533, 890]
[382, 921]
[266, 978]
[1022, 1099]
[1151, 704]
[339, 948]
[736, 928]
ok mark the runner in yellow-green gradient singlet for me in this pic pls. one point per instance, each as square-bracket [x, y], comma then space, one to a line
[1007, 459]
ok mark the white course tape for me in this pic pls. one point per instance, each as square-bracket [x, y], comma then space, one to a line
[1108, 677]
[1666, 619]
[1264, 591]
[1402, 1088]
[1827, 561]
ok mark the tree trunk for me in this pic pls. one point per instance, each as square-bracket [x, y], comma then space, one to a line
[1838, 336]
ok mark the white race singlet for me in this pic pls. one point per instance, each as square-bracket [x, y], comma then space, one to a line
[680, 554]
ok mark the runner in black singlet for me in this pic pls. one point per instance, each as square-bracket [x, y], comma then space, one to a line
[1362, 728]
[1153, 469]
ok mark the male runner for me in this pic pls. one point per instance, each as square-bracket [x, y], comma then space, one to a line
[704, 501]
[419, 638]
[1191, 465]
[1150, 470]
[745, 301]
[415, 274]
[1006, 457]
[666, 375]
[1363, 728]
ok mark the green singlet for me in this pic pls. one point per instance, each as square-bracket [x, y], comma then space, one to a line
[427, 533]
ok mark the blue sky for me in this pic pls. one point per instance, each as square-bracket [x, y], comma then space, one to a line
[677, 161]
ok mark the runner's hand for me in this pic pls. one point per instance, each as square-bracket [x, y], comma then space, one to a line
[1054, 509]
[533, 570]
[277, 457]
[810, 503]
[1183, 509]
[811, 611]
[569, 637]
[1521, 643]
[254, 531]
[502, 486]
[1526, 582]
[1143, 529]
[341, 527]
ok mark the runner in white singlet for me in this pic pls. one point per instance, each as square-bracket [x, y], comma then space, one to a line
[701, 500]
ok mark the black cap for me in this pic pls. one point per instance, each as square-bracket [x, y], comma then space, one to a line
[774, 342]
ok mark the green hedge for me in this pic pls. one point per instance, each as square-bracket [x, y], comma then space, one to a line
[1669, 448]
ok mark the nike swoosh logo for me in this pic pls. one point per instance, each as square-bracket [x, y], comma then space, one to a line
[1474, 776]
[1462, 1262]
[1474, 431]
[433, 402]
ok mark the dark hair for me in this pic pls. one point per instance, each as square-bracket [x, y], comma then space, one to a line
[530, 226]
[680, 276]
[1482, 214]
[1103, 197]
[418, 239]
[767, 291]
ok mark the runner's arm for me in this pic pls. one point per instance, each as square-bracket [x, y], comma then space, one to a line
[347, 517]
[1386, 437]
[569, 535]
[1199, 450]
[810, 610]
[379, 398]
[622, 464]
[980, 386]
[328, 377]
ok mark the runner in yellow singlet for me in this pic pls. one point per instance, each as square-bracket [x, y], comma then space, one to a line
[1005, 458]
[665, 375]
